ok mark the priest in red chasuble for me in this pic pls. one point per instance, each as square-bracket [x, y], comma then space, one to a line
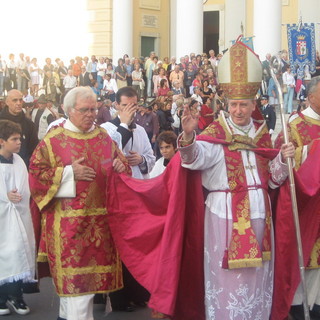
[234, 161]
[68, 177]
[304, 132]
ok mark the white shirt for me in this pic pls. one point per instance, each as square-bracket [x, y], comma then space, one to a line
[34, 70]
[3, 63]
[288, 79]
[140, 144]
[197, 98]
[110, 85]
[12, 64]
[28, 98]
[101, 68]
[158, 168]
[21, 64]
[70, 82]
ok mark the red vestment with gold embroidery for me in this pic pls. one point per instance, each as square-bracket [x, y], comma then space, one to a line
[302, 130]
[75, 236]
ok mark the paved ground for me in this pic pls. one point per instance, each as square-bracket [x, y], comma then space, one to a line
[45, 306]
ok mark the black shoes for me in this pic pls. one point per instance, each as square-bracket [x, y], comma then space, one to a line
[124, 308]
[18, 305]
[4, 309]
[297, 312]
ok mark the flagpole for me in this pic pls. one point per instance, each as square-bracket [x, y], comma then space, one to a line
[275, 68]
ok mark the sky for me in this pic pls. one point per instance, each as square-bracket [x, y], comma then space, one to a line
[43, 28]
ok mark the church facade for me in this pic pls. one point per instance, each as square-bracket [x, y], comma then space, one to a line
[179, 27]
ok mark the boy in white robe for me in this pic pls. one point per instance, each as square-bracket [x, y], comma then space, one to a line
[167, 142]
[17, 244]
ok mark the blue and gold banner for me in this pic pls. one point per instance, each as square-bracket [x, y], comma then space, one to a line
[302, 49]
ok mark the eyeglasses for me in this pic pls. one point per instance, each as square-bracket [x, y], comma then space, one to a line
[86, 110]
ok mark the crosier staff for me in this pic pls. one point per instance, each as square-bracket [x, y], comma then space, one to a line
[275, 68]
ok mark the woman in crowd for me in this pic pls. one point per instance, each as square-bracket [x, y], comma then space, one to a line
[137, 79]
[121, 74]
[12, 66]
[197, 82]
[101, 68]
[205, 91]
[219, 102]
[176, 111]
[109, 88]
[95, 87]
[63, 71]
[157, 79]
[110, 70]
[164, 116]
[288, 84]
[206, 114]
[189, 76]
[195, 65]
[164, 89]
[206, 64]
[199, 60]
[34, 74]
[165, 63]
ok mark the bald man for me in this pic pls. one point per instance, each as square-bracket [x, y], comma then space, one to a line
[13, 111]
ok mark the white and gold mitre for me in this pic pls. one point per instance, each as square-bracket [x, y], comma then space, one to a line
[240, 72]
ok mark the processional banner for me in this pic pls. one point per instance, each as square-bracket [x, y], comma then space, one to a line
[302, 48]
[248, 41]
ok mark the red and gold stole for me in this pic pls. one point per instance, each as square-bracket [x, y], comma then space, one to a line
[302, 131]
[243, 249]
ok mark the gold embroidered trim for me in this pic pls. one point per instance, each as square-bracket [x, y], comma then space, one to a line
[57, 246]
[298, 157]
[76, 135]
[87, 270]
[83, 212]
[42, 257]
[89, 292]
[266, 255]
[308, 119]
[242, 225]
[314, 257]
[53, 189]
[82, 135]
[245, 263]
[223, 122]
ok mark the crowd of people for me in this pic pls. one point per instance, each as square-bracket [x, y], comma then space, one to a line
[193, 76]
[74, 128]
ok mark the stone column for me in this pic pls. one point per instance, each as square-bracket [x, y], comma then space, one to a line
[122, 25]
[188, 27]
[308, 11]
[267, 27]
[235, 16]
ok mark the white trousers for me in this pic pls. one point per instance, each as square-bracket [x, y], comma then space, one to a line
[77, 308]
